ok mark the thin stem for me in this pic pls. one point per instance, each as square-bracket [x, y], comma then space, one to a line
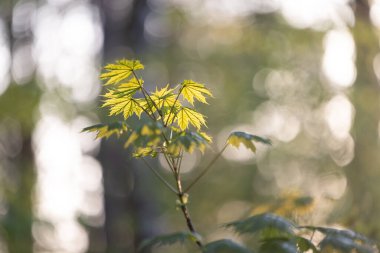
[205, 170]
[171, 109]
[146, 95]
[169, 163]
[179, 161]
[160, 177]
[147, 113]
[185, 211]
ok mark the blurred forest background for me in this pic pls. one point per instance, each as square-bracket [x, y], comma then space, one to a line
[305, 73]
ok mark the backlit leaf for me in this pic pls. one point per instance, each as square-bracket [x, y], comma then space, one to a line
[188, 141]
[186, 116]
[147, 139]
[237, 138]
[166, 100]
[191, 90]
[107, 130]
[122, 104]
[129, 88]
[179, 237]
[120, 70]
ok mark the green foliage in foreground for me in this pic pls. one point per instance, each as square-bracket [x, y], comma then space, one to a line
[168, 124]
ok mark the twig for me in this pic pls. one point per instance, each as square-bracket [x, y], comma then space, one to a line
[208, 167]
[160, 177]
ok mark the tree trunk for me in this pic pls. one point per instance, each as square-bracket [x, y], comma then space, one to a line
[364, 173]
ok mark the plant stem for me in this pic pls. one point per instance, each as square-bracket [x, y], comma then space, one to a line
[185, 211]
[159, 176]
[171, 109]
[146, 95]
[208, 167]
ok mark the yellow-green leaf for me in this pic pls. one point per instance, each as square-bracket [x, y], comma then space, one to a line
[129, 88]
[107, 130]
[142, 152]
[237, 138]
[165, 97]
[120, 70]
[191, 90]
[188, 141]
[134, 136]
[122, 105]
[186, 116]
[206, 136]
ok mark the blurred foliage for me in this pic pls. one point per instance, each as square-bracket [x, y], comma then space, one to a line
[277, 234]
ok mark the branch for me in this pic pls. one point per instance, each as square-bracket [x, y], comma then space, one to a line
[208, 167]
[160, 177]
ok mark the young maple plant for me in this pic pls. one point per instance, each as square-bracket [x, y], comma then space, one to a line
[167, 123]
[172, 128]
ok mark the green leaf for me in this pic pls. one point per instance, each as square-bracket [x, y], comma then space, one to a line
[179, 237]
[188, 141]
[186, 116]
[225, 246]
[191, 90]
[268, 225]
[107, 130]
[147, 139]
[278, 245]
[120, 70]
[237, 138]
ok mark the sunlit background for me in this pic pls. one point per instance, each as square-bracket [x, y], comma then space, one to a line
[305, 73]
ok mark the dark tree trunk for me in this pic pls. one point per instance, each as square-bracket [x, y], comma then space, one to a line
[129, 209]
[364, 173]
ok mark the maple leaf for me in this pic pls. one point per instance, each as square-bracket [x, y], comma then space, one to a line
[120, 70]
[124, 104]
[237, 138]
[129, 88]
[186, 116]
[191, 90]
[188, 141]
[107, 130]
[165, 97]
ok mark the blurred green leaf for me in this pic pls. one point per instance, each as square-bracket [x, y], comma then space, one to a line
[345, 245]
[344, 240]
[278, 245]
[179, 237]
[225, 246]
[268, 225]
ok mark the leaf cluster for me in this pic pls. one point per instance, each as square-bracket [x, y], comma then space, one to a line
[172, 124]
[279, 235]
[173, 127]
